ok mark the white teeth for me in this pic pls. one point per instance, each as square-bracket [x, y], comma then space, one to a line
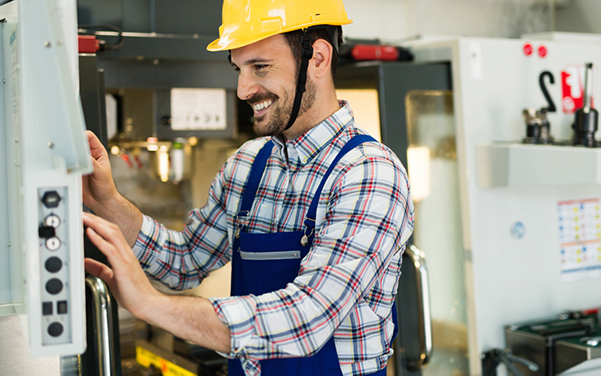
[262, 105]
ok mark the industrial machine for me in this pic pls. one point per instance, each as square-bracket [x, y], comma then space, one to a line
[44, 153]
[500, 142]
[517, 202]
[498, 136]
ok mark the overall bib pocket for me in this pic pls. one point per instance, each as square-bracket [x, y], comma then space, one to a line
[272, 257]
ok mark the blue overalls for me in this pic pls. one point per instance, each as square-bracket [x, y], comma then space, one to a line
[263, 263]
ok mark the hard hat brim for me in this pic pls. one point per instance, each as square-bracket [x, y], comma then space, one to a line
[231, 43]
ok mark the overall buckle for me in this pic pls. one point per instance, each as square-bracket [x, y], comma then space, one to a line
[241, 222]
[309, 224]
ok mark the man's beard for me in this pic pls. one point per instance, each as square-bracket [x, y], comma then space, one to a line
[280, 113]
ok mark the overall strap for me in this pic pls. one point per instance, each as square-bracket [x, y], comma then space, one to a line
[256, 172]
[350, 145]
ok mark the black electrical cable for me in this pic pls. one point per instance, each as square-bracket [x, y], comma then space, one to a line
[107, 27]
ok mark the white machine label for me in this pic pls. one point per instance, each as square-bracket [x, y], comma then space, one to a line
[580, 239]
[198, 109]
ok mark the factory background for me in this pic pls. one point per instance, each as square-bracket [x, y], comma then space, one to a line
[491, 182]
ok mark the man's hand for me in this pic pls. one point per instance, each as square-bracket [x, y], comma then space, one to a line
[98, 187]
[190, 318]
[126, 280]
[101, 195]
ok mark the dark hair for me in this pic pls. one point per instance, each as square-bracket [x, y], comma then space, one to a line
[293, 38]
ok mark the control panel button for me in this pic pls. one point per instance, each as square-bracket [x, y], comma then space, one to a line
[51, 199]
[54, 286]
[47, 308]
[46, 232]
[55, 329]
[61, 307]
[52, 221]
[53, 243]
[53, 264]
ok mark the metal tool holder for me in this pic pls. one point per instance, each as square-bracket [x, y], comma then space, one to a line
[555, 344]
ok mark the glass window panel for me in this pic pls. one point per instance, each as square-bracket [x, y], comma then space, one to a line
[433, 172]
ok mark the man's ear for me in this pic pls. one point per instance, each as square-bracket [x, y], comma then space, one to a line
[322, 58]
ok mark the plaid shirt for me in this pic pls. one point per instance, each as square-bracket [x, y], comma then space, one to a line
[347, 282]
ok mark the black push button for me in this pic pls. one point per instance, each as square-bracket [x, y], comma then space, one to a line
[53, 264]
[51, 199]
[55, 329]
[47, 308]
[54, 286]
[61, 307]
[46, 232]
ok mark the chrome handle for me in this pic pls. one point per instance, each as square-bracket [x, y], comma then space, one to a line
[518, 359]
[425, 322]
[103, 317]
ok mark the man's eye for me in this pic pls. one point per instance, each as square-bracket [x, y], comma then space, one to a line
[260, 67]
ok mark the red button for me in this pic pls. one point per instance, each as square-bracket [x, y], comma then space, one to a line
[542, 51]
[528, 49]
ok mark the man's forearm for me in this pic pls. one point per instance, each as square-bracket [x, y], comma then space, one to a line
[125, 215]
[191, 318]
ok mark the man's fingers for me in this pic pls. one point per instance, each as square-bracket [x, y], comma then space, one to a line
[95, 166]
[108, 249]
[98, 269]
[96, 147]
[108, 231]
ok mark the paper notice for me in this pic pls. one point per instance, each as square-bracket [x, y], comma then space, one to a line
[198, 109]
[580, 239]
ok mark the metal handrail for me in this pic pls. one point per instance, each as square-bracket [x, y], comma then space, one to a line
[425, 322]
[103, 319]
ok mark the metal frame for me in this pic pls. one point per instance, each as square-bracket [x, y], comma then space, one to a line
[92, 91]
[151, 74]
[162, 62]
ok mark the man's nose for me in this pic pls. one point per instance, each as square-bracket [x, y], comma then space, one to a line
[247, 86]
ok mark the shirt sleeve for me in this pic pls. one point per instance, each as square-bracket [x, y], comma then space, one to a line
[368, 219]
[181, 260]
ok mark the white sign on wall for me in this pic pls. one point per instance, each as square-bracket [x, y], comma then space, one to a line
[198, 109]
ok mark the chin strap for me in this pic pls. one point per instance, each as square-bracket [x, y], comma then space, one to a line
[306, 55]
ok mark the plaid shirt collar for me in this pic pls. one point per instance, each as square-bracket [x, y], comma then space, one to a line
[302, 149]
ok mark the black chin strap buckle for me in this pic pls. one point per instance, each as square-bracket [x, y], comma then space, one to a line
[307, 47]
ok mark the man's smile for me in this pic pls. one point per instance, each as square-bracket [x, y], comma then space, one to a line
[261, 107]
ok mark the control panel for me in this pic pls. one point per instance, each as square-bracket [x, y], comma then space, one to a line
[54, 250]
[43, 129]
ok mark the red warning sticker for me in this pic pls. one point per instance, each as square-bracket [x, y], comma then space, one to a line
[572, 88]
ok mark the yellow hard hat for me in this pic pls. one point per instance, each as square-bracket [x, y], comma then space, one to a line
[249, 21]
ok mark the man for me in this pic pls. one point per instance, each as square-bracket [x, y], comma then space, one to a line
[314, 216]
